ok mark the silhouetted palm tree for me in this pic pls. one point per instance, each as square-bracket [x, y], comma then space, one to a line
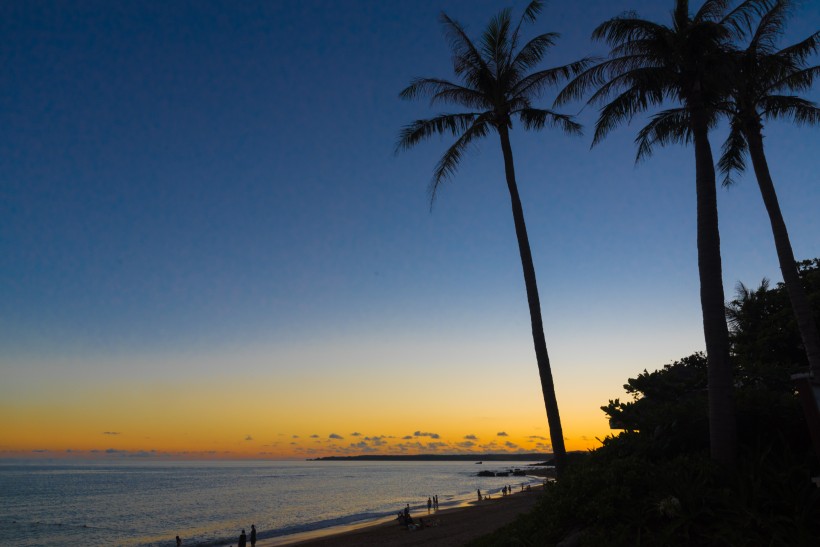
[749, 306]
[648, 65]
[763, 79]
[497, 85]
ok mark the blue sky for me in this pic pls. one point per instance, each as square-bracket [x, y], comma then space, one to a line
[186, 179]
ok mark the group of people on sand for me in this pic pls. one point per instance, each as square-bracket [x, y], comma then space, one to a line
[505, 491]
[405, 519]
[243, 538]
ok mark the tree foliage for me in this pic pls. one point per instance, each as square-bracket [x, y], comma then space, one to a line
[498, 82]
[667, 410]
[766, 343]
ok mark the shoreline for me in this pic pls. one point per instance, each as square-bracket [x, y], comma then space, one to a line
[451, 526]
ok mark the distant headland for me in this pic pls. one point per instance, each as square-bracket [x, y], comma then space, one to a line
[529, 457]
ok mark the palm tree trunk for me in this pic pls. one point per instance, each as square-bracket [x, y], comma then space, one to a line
[722, 422]
[794, 287]
[541, 356]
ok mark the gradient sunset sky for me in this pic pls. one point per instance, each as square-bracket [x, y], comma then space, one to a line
[209, 248]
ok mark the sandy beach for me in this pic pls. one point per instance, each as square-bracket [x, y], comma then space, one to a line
[454, 527]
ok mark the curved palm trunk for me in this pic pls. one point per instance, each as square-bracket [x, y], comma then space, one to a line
[722, 423]
[794, 287]
[541, 356]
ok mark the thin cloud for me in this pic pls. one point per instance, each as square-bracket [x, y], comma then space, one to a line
[314, 436]
[111, 433]
[335, 436]
[471, 437]
[355, 434]
[362, 447]
[248, 438]
[426, 434]
[502, 434]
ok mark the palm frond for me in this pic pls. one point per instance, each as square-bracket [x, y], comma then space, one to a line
[466, 57]
[627, 28]
[447, 165]
[623, 107]
[462, 96]
[534, 84]
[738, 21]
[532, 11]
[421, 130]
[801, 80]
[645, 48]
[433, 87]
[769, 29]
[798, 53]
[666, 127]
[495, 40]
[711, 10]
[597, 75]
[795, 109]
[648, 82]
[538, 118]
[533, 51]
[443, 91]
[529, 16]
[733, 154]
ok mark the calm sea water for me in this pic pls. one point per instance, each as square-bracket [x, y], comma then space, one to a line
[147, 504]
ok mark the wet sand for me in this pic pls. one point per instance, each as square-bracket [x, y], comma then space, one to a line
[455, 527]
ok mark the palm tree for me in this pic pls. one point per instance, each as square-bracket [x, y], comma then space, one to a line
[761, 76]
[497, 85]
[648, 65]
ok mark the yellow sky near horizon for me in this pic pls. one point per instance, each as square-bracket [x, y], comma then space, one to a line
[294, 415]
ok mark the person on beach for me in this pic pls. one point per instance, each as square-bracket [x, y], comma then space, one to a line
[253, 535]
[435, 502]
[243, 539]
[179, 542]
[479, 493]
[429, 505]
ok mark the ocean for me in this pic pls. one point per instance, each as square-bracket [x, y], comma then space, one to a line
[207, 503]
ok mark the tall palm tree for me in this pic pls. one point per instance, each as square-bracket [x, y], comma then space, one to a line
[763, 79]
[498, 84]
[648, 65]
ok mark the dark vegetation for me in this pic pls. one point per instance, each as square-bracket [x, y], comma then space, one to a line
[654, 483]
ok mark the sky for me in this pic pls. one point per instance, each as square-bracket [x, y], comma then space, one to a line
[209, 247]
